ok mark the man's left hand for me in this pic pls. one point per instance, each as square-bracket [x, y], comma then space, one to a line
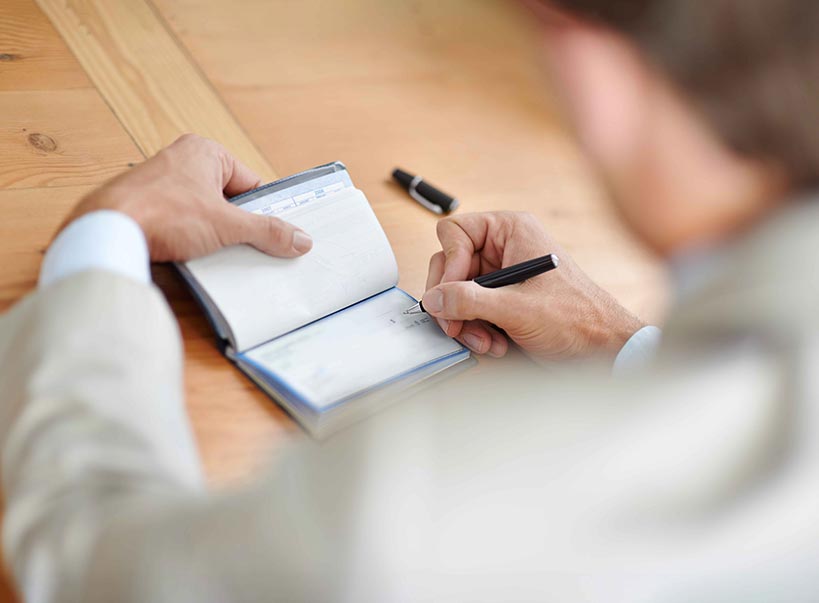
[178, 199]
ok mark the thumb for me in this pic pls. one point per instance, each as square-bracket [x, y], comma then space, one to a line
[268, 234]
[467, 300]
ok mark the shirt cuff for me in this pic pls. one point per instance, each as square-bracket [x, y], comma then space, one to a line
[638, 351]
[100, 240]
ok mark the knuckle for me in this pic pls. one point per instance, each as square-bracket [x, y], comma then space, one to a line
[521, 217]
[451, 252]
[278, 232]
[189, 139]
[442, 226]
[217, 147]
[190, 143]
[200, 144]
[460, 301]
[499, 220]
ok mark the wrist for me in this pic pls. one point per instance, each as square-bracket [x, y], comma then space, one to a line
[610, 326]
[102, 239]
[110, 199]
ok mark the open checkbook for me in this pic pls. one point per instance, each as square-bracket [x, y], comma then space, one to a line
[323, 334]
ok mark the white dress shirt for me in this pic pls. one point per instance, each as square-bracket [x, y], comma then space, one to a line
[104, 240]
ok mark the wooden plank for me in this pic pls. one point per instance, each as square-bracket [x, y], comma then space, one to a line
[60, 138]
[150, 83]
[32, 55]
[56, 130]
[30, 218]
[340, 43]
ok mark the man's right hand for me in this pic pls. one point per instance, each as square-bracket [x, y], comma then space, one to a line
[560, 314]
[178, 199]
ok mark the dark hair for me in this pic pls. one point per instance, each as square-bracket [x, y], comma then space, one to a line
[750, 66]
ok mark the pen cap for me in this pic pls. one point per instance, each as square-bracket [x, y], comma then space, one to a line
[402, 178]
[418, 186]
[439, 198]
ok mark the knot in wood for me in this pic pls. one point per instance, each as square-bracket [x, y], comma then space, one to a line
[42, 142]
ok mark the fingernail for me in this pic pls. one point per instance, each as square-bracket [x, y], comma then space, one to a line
[434, 300]
[474, 343]
[444, 324]
[302, 242]
[496, 349]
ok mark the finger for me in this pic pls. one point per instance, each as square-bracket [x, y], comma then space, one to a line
[452, 328]
[271, 235]
[466, 300]
[482, 338]
[234, 176]
[500, 344]
[462, 238]
[475, 336]
[458, 248]
[434, 274]
[436, 270]
[237, 178]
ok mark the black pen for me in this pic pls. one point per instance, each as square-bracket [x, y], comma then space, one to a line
[424, 193]
[510, 275]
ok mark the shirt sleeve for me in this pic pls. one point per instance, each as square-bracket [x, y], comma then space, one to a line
[101, 240]
[93, 428]
[638, 351]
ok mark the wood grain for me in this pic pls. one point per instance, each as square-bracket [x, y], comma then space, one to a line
[60, 138]
[32, 55]
[55, 128]
[30, 218]
[452, 90]
[150, 83]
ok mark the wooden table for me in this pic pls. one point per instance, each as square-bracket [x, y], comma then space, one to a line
[450, 89]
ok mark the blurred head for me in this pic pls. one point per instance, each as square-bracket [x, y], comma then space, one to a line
[701, 116]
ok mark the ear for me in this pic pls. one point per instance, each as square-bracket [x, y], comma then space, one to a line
[603, 83]
[675, 182]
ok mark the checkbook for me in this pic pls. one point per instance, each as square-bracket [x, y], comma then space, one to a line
[324, 335]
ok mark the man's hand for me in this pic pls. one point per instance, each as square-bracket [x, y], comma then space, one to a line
[560, 314]
[178, 199]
